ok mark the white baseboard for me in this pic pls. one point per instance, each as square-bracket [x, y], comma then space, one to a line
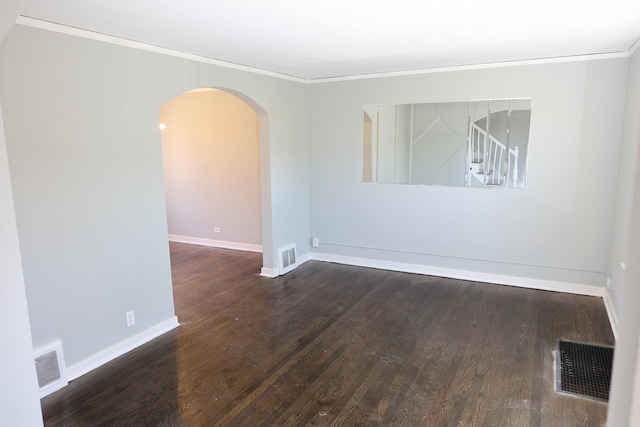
[523, 282]
[215, 243]
[611, 311]
[116, 350]
[272, 273]
[303, 258]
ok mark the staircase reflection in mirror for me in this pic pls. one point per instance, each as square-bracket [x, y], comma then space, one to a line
[482, 143]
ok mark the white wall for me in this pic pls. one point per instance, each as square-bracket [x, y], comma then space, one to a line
[19, 401]
[10, 9]
[558, 229]
[625, 286]
[81, 121]
[627, 171]
[87, 184]
[212, 167]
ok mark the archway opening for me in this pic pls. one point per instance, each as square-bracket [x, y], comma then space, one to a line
[211, 140]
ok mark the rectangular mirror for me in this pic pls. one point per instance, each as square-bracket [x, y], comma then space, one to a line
[468, 143]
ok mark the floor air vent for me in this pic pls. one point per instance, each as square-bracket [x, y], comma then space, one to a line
[287, 256]
[583, 369]
[50, 368]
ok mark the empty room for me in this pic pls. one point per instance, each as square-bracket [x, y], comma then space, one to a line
[256, 213]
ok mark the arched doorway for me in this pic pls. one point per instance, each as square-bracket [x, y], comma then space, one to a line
[211, 154]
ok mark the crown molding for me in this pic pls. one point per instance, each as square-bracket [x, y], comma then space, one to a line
[447, 69]
[64, 29]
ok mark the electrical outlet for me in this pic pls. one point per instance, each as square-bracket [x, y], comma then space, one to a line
[315, 242]
[216, 229]
[131, 318]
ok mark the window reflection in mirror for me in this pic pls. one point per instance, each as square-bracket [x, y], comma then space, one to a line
[469, 143]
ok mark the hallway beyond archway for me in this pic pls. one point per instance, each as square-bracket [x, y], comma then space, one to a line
[211, 157]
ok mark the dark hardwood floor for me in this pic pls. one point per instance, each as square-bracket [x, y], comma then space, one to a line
[329, 344]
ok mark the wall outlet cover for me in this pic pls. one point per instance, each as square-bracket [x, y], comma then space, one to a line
[131, 318]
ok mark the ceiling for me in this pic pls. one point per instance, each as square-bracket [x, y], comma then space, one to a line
[334, 38]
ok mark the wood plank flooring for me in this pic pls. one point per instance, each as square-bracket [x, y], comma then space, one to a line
[334, 345]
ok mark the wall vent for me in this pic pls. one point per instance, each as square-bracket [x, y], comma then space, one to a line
[287, 257]
[50, 368]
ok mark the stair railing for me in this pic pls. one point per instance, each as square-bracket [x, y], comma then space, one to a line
[492, 156]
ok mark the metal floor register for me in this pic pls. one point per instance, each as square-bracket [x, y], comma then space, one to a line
[584, 369]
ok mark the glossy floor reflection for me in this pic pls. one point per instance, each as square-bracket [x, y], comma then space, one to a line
[329, 344]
